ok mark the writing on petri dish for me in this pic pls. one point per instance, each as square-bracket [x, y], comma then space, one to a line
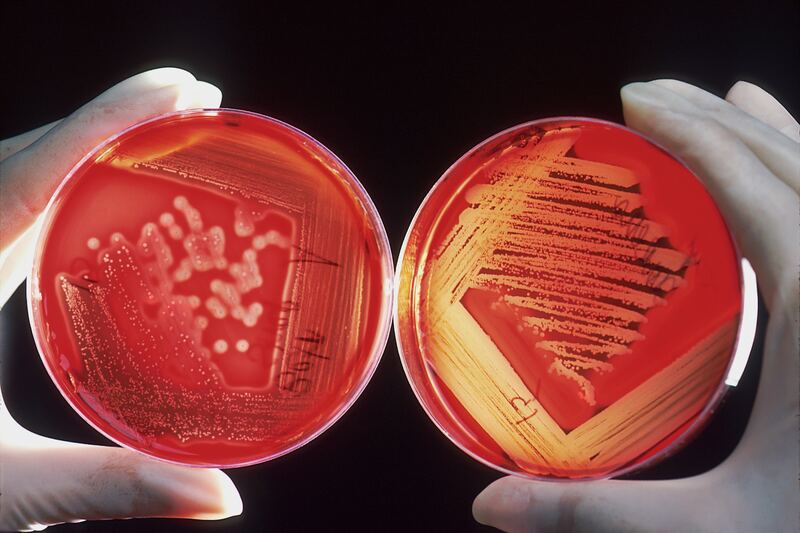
[211, 288]
[569, 300]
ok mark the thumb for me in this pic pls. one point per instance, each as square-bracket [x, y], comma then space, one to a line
[515, 505]
[46, 482]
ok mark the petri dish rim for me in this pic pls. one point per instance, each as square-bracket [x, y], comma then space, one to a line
[348, 178]
[741, 344]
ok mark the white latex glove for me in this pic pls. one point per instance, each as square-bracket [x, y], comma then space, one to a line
[45, 481]
[745, 149]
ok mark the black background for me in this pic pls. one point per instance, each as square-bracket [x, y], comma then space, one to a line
[398, 93]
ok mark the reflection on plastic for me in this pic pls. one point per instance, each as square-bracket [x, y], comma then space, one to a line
[568, 300]
[211, 288]
[747, 328]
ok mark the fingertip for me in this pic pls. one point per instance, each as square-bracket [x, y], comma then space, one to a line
[203, 494]
[147, 81]
[642, 93]
[744, 91]
[230, 499]
[739, 87]
[217, 500]
[503, 504]
[672, 84]
[199, 94]
[747, 96]
[760, 104]
[631, 89]
[161, 77]
[642, 107]
[633, 97]
[654, 86]
[480, 506]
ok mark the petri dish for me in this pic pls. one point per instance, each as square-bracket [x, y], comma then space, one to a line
[211, 288]
[569, 301]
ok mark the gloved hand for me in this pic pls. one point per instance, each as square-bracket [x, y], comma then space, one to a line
[45, 481]
[745, 149]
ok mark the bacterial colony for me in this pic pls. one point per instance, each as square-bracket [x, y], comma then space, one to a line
[212, 289]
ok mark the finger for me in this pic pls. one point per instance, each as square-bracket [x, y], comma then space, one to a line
[28, 178]
[779, 153]
[146, 81]
[11, 146]
[142, 82]
[47, 482]
[761, 209]
[759, 103]
[516, 505]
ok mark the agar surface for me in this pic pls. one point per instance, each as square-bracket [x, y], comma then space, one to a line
[227, 316]
[535, 303]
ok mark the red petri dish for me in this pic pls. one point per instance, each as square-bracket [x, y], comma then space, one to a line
[569, 301]
[211, 288]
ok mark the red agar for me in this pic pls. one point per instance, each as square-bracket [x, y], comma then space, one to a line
[211, 288]
[568, 301]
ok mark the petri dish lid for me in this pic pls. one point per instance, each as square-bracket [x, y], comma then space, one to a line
[570, 302]
[211, 288]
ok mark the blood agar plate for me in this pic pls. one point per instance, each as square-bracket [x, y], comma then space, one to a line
[211, 288]
[568, 301]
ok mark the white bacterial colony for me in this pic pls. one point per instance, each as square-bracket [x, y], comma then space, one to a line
[157, 267]
[205, 249]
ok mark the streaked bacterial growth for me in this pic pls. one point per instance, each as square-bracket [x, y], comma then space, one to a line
[568, 299]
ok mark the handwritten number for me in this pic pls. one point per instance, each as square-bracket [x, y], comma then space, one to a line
[518, 400]
[292, 383]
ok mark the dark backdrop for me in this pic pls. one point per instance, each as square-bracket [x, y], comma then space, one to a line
[399, 94]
